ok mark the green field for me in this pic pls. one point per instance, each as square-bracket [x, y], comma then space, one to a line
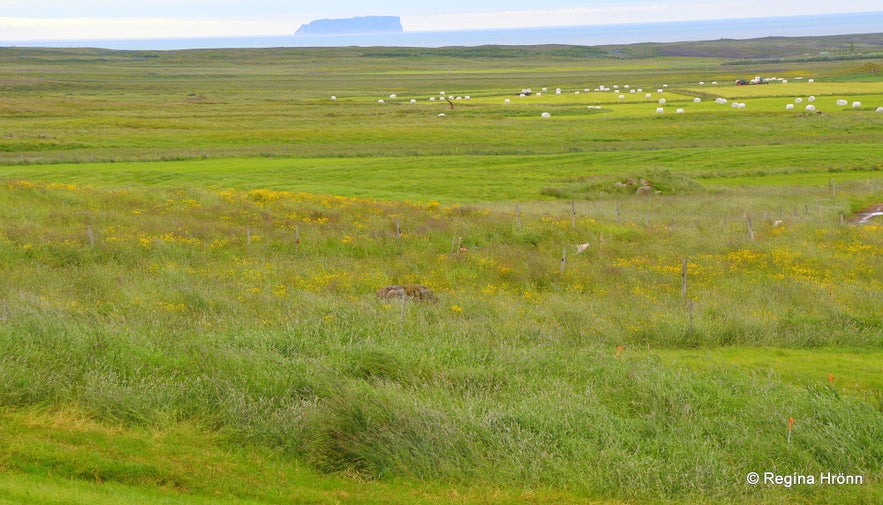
[191, 243]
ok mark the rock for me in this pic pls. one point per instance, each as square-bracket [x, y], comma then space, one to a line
[417, 292]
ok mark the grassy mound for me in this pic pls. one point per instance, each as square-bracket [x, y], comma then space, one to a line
[659, 182]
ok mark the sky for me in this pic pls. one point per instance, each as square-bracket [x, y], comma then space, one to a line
[24, 20]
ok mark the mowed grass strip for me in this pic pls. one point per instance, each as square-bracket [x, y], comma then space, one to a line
[470, 179]
[850, 372]
[64, 456]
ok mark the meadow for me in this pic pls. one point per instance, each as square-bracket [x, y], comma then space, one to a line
[191, 243]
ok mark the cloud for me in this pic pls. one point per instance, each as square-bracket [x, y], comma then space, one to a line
[231, 18]
[649, 12]
[25, 29]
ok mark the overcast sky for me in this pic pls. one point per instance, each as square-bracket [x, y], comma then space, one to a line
[109, 19]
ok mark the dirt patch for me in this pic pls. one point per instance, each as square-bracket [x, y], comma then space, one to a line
[866, 215]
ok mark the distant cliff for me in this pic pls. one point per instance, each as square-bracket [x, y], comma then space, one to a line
[349, 26]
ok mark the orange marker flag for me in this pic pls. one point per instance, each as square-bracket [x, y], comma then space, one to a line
[619, 350]
[790, 425]
[830, 378]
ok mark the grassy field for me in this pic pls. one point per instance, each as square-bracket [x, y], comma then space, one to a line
[191, 243]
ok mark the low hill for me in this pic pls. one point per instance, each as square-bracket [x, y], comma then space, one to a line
[764, 47]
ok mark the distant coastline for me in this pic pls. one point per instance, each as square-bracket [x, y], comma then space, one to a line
[790, 26]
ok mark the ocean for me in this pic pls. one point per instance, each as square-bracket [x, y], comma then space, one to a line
[743, 28]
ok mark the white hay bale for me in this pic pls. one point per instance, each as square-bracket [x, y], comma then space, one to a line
[879, 109]
[662, 101]
[842, 103]
[659, 110]
[380, 101]
[546, 115]
[333, 97]
[393, 96]
[856, 105]
[697, 100]
[679, 111]
[789, 106]
[810, 108]
[507, 101]
[798, 100]
[810, 99]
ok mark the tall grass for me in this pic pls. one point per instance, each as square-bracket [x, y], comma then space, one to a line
[194, 304]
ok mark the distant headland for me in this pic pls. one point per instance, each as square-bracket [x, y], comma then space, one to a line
[352, 26]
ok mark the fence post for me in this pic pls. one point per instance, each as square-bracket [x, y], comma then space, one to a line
[684, 279]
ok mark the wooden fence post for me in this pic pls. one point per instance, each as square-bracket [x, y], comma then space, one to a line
[684, 279]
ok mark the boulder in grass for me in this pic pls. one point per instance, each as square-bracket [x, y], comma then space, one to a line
[417, 292]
